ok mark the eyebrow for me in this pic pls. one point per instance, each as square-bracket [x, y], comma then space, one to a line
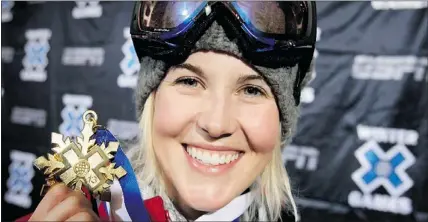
[198, 71]
[245, 78]
[195, 69]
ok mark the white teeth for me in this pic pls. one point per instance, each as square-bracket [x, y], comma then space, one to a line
[212, 159]
[228, 157]
[206, 157]
[215, 159]
[190, 151]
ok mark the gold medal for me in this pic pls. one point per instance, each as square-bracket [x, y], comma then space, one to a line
[82, 162]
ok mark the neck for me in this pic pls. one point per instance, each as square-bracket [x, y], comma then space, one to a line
[182, 208]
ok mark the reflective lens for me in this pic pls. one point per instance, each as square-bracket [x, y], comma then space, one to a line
[167, 14]
[288, 18]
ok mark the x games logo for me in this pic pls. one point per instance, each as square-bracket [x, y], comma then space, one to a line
[87, 9]
[387, 169]
[129, 64]
[74, 107]
[384, 169]
[36, 55]
[6, 11]
[21, 173]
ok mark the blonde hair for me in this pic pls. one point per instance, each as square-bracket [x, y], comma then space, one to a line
[272, 187]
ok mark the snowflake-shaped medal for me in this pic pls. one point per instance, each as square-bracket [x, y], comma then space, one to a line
[82, 162]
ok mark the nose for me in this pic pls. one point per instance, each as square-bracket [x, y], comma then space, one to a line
[216, 119]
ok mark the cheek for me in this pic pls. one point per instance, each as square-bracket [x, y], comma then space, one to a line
[167, 115]
[173, 113]
[262, 127]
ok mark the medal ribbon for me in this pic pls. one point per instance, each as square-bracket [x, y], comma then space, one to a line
[132, 197]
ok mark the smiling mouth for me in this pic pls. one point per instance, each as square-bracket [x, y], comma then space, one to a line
[212, 158]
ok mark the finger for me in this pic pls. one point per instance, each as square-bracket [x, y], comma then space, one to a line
[73, 204]
[55, 195]
[84, 216]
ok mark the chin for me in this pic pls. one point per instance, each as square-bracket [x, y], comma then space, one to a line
[208, 205]
[207, 201]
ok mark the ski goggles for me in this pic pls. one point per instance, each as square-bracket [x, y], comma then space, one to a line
[271, 34]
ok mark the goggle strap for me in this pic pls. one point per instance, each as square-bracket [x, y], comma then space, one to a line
[303, 68]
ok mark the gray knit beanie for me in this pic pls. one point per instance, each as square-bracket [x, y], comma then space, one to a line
[281, 80]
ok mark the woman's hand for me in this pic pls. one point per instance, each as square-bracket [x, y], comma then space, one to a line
[63, 204]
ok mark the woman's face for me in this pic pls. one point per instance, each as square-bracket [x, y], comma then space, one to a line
[216, 124]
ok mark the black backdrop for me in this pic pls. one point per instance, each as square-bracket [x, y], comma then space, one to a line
[361, 150]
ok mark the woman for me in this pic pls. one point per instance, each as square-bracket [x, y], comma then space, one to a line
[217, 99]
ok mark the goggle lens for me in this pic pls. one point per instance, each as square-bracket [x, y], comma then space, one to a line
[167, 14]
